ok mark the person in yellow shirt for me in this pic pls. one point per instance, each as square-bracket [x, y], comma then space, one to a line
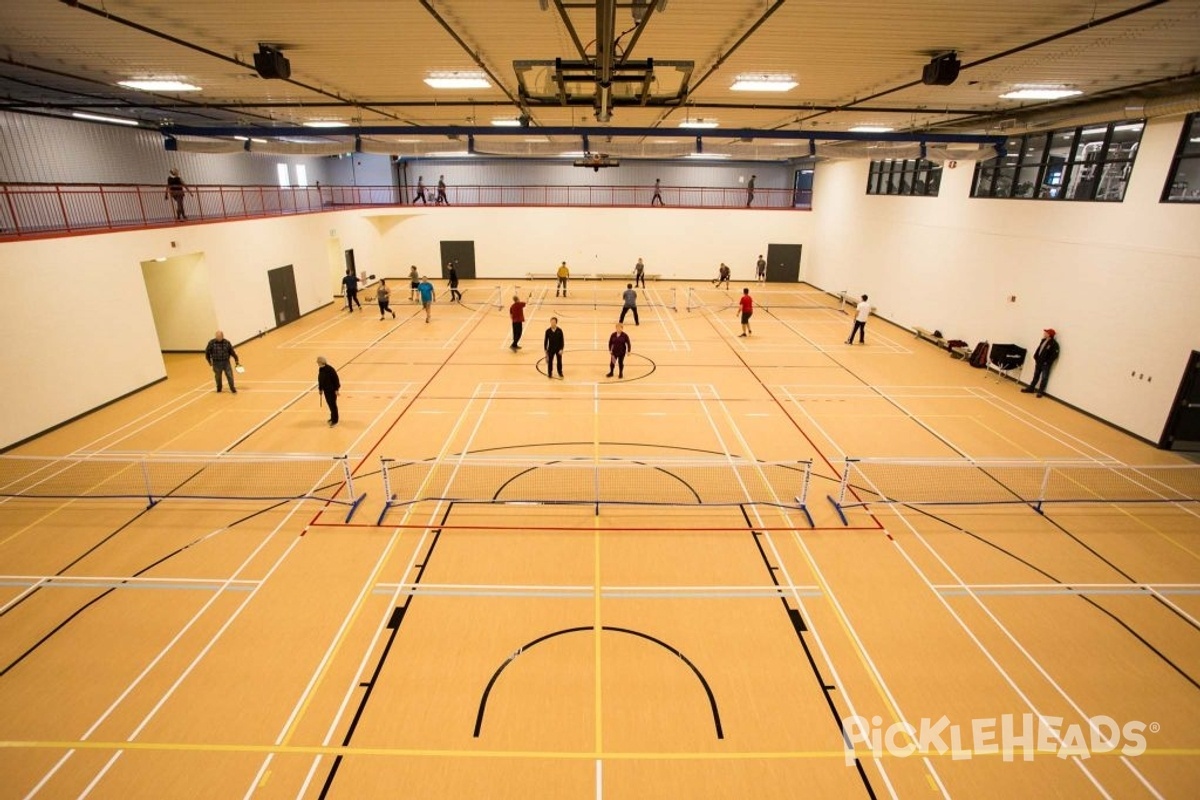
[563, 274]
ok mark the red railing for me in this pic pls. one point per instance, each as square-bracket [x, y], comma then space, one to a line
[32, 210]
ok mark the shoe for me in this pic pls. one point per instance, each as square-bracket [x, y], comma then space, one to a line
[1028, 390]
[427, 319]
[393, 314]
[620, 374]
[332, 423]
[381, 319]
[218, 391]
[609, 375]
[741, 336]
[560, 376]
[1039, 394]
[514, 348]
[233, 391]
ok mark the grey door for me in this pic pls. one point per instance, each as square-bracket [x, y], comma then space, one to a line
[283, 294]
[464, 254]
[1183, 425]
[783, 263]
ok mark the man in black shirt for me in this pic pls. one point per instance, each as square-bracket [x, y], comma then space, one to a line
[351, 284]
[328, 384]
[553, 343]
[218, 352]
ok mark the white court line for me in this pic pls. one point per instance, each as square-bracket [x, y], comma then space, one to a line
[355, 681]
[212, 641]
[162, 653]
[826, 589]
[1041, 670]
[813, 421]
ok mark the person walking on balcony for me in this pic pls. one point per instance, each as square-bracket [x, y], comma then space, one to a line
[657, 199]
[177, 190]
[420, 191]
[441, 195]
[750, 191]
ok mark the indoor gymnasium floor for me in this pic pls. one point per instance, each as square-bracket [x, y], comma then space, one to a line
[593, 588]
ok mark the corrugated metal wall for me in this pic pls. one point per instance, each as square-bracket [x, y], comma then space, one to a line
[53, 150]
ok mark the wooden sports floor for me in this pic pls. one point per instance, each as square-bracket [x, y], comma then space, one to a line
[270, 649]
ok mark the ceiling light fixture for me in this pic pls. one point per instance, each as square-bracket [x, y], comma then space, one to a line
[99, 118]
[763, 83]
[326, 123]
[1040, 93]
[457, 80]
[159, 86]
[871, 129]
[699, 123]
[507, 123]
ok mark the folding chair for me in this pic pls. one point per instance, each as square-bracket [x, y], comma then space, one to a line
[1007, 360]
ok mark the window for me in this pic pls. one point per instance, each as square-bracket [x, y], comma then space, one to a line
[301, 175]
[1088, 163]
[1183, 182]
[914, 177]
[282, 171]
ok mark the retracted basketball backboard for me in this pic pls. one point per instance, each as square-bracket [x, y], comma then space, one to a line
[559, 82]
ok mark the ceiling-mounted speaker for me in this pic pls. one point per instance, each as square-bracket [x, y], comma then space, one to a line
[942, 70]
[270, 63]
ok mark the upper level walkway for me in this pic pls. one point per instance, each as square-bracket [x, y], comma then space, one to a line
[29, 210]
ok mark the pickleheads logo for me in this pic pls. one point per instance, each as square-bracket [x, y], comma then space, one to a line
[1007, 736]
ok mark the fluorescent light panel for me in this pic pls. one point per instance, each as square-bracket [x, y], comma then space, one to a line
[763, 83]
[1040, 93]
[507, 123]
[699, 123]
[871, 129]
[326, 123]
[99, 118]
[159, 86]
[457, 80]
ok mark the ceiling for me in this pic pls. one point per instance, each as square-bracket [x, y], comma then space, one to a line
[364, 62]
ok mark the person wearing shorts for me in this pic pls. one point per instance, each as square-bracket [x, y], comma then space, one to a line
[746, 310]
[414, 281]
[425, 289]
[383, 295]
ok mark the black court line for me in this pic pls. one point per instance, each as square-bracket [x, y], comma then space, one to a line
[712, 700]
[393, 625]
[800, 628]
[75, 614]
[1090, 601]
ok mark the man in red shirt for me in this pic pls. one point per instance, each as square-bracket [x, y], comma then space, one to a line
[746, 309]
[517, 312]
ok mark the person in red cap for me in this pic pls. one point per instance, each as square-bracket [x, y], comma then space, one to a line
[1043, 359]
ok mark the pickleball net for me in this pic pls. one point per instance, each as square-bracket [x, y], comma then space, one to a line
[567, 480]
[154, 477]
[939, 482]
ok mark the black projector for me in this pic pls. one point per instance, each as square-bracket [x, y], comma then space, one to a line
[270, 63]
[941, 71]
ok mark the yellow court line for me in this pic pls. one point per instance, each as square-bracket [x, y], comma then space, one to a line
[380, 564]
[597, 628]
[403, 752]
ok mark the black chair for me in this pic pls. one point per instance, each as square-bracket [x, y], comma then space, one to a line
[1007, 360]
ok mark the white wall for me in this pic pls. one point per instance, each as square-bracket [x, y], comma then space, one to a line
[1119, 281]
[511, 242]
[76, 318]
[181, 301]
[77, 331]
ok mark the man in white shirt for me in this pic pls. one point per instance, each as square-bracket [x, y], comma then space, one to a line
[860, 322]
